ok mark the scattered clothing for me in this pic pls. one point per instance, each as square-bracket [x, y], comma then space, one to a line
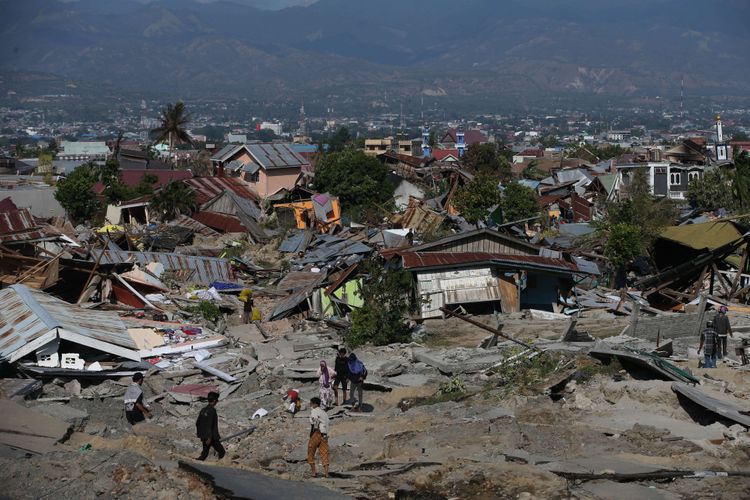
[295, 403]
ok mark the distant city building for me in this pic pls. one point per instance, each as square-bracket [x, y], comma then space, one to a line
[237, 138]
[83, 150]
[408, 147]
[473, 136]
[276, 128]
[665, 179]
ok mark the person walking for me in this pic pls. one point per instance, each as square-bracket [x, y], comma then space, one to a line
[135, 410]
[709, 345]
[723, 328]
[342, 375]
[357, 376]
[246, 297]
[318, 437]
[207, 427]
[325, 377]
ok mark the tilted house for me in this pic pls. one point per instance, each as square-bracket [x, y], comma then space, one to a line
[485, 271]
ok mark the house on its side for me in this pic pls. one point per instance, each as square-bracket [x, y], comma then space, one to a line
[266, 167]
[485, 271]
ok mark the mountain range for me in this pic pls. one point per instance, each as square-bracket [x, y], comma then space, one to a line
[452, 48]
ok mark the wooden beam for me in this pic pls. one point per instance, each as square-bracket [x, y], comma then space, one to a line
[724, 282]
[738, 277]
[486, 327]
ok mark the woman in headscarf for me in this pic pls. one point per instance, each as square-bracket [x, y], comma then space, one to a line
[325, 377]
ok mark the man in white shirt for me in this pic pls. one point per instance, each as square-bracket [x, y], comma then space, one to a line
[318, 437]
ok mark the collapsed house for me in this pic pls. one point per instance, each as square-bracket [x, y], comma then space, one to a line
[485, 271]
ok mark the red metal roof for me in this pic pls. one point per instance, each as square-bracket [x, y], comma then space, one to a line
[14, 221]
[441, 154]
[207, 188]
[220, 222]
[472, 136]
[414, 260]
[7, 205]
[133, 177]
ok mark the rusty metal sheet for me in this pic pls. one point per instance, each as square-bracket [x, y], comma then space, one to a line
[14, 221]
[413, 260]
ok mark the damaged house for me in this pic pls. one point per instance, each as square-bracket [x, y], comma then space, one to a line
[485, 271]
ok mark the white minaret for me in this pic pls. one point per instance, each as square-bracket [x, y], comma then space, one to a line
[719, 131]
[722, 150]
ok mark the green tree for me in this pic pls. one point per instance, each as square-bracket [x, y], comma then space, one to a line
[75, 195]
[624, 244]
[741, 181]
[115, 190]
[519, 202]
[475, 198]
[266, 135]
[172, 200]
[360, 181]
[711, 192]
[381, 319]
[172, 127]
[485, 159]
[340, 140]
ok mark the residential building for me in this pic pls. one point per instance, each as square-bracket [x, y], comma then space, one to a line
[266, 167]
[83, 150]
[472, 136]
[276, 128]
[666, 179]
[407, 147]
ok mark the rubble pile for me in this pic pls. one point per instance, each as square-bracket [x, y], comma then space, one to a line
[521, 375]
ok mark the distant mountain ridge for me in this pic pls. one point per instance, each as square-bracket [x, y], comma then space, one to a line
[462, 48]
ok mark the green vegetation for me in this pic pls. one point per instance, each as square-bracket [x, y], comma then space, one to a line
[173, 125]
[452, 386]
[519, 202]
[340, 141]
[381, 319]
[360, 181]
[484, 159]
[712, 192]
[172, 200]
[475, 199]
[207, 310]
[75, 195]
[631, 226]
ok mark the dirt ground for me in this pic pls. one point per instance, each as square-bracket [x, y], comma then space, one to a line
[502, 435]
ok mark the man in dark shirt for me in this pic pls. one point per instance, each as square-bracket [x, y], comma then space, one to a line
[342, 375]
[709, 341]
[207, 426]
[723, 328]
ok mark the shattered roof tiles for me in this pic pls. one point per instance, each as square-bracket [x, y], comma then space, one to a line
[207, 188]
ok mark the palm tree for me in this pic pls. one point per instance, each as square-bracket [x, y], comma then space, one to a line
[172, 127]
[172, 200]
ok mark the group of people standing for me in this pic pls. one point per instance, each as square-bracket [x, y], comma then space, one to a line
[713, 341]
[348, 371]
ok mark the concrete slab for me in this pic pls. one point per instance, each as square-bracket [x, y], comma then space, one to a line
[409, 380]
[17, 419]
[63, 412]
[239, 483]
[610, 490]
[622, 420]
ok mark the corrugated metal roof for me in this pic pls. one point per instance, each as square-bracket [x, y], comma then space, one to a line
[416, 260]
[221, 222]
[14, 221]
[206, 269]
[226, 152]
[706, 236]
[276, 155]
[190, 223]
[207, 188]
[301, 279]
[26, 315]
